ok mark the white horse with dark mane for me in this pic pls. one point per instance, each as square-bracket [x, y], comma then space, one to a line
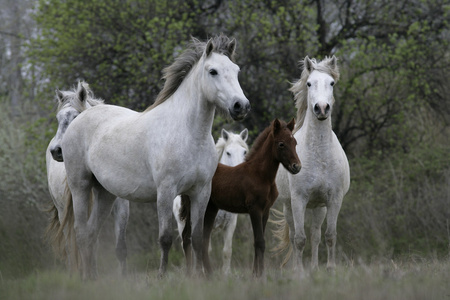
[325, 175]
[153, 156]
[231, 149]
[70, 105]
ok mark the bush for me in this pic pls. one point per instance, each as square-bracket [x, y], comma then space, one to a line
[23, 192]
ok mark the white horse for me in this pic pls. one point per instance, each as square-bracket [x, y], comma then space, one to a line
[70, 105]
[325, 175]
[231, 149]
[155, 155]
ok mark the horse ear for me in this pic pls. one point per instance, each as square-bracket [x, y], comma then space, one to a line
[333, 62]
[276, 125]
[308, 64]
[291, 124]
[59, 95]
[232, 47]
[225, 134]
[244, 134]
[209, 47]
[81, 91]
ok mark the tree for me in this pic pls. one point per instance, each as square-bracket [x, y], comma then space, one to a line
[119, 47]
[16, 27]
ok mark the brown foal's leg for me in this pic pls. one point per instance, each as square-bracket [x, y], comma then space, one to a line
[259, 242]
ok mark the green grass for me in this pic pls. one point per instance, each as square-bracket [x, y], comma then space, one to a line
[391, 280]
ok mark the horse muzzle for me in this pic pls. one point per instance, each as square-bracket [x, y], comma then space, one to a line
[294, 168]
[322, 111]
[240, 109]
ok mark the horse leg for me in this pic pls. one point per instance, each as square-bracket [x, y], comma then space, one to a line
[330, 233]
[287, 212]
[259, 242]
[208, 225]
[121, 210]
[81, 195]
[164, 206]
[299, 240]
[318, 216]
[102, 205]
[199, 201]
[228, 243]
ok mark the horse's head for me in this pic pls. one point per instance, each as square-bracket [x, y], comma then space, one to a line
[70, 105]
[320, 85]
[220, 73]
[284, 145]
[232, 147]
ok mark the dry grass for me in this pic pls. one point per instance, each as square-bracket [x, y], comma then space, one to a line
[390, 280]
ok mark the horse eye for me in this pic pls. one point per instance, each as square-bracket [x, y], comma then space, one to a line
[245, 152]
[281, 145]
[308, 84]
[213, 72]
[228, 153]
[332, 83]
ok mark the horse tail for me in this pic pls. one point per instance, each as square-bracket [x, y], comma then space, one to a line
[67, 224]
[185, 210]
[185, 216]
[52, 232]
[281, 233]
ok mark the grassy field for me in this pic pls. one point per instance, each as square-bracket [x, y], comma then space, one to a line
[388, 280]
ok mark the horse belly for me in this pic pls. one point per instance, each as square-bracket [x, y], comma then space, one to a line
[125, 180]
[140, 189]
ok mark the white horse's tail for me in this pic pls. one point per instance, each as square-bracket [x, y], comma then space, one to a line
[67, 224]
[52, 232]
[281, 233]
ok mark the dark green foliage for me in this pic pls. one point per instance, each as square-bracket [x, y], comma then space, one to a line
[119, 47]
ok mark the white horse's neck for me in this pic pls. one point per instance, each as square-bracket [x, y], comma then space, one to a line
[316, 133]
[189, 107]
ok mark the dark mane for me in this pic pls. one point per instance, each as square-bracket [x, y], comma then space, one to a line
[183, 64]
[259, 142]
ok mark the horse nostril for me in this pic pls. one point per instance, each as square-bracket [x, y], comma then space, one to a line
[327, 108]
[237, 106]
[317, 109]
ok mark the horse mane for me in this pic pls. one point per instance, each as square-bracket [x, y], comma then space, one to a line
[300, 90]
[259, 141]
[70, 98]
[183, 64]
[221, 143]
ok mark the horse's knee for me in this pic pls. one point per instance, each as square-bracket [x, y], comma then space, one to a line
[165, 241]
[300, 242]
[330, 238]
[227, 253]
